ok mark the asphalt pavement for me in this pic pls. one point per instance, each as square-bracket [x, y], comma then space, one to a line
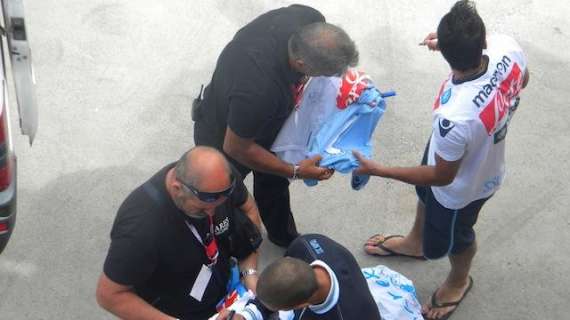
[115, 79]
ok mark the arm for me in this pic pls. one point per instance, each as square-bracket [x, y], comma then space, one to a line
[121, 301]
[250, 262]
[253, 310]
[251, 211]
[249, 208]
[227, 314]
[430, 42]
[442, 174]
[254, 156]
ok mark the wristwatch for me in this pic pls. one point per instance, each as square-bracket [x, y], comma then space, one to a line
[248, 272]
[295, 172]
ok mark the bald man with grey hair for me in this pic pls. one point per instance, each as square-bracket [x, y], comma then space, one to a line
[174, 239]
[322, 48]
[256, 85]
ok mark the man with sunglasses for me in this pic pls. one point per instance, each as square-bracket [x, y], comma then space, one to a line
[173, 239]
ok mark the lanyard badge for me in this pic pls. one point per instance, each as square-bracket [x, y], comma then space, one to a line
[210, 244]
[211, 248]
[297, 90]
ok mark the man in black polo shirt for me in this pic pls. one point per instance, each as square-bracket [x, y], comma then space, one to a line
[252, 92]
[319, 279]
[173, 237]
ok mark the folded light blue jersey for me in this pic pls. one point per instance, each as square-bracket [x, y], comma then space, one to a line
[345, 131]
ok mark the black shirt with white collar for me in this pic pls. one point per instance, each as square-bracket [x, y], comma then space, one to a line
[354, 298]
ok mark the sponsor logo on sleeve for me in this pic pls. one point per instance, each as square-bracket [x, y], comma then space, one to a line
[445, 126]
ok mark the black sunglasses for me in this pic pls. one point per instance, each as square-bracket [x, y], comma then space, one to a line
[210, 196]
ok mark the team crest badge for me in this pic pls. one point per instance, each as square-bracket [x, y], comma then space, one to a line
[445, 96]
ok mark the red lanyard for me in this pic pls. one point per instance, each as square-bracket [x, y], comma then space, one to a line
[298, 89]
[211, 246]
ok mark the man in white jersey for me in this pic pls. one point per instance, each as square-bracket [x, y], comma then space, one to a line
[463, 165]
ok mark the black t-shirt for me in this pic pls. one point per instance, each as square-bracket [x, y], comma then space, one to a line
[154, 251]
[355, 300]
[251, 88]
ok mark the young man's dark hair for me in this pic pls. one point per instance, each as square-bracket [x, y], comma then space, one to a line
[286, 283]
[461, 36]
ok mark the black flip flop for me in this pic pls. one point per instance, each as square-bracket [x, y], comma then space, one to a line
[435, 304]
[391, 253]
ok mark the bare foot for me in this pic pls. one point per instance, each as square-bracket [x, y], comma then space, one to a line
[399, 245]
[447, 299]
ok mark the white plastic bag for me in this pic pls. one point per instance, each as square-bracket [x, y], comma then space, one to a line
[394, 294]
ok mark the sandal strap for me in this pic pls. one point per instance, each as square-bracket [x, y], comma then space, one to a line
[435, 304]
[390, 251]
[393, 236]
[385, 238]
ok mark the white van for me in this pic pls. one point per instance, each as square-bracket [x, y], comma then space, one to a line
[15, 51]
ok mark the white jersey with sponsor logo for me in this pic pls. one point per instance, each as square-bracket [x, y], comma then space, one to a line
[470, 120]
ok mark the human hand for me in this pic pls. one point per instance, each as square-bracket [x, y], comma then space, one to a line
[430, 41]
[366, 166]
[227, 314]
[309, 169]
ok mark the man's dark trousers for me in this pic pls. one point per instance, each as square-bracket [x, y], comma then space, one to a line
[271, 192]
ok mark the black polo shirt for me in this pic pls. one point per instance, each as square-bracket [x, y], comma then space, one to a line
[153, 250]
[251, 88]
[355, 300]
